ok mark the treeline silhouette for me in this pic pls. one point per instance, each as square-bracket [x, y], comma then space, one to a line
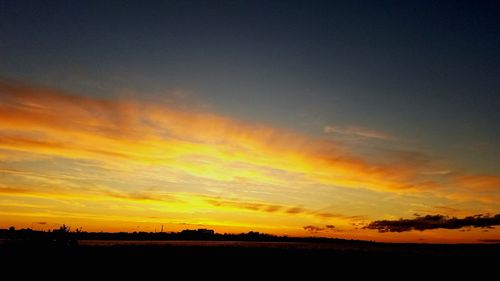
[65, 248]
[65, 237]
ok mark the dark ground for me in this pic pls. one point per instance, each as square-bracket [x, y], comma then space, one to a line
[61, 254]
[287, 258]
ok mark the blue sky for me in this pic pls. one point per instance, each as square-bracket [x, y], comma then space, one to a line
[426, 71]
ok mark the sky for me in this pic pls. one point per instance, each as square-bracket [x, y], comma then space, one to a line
[299, 118]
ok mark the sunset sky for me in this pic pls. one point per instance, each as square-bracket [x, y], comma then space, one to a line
[300, 118]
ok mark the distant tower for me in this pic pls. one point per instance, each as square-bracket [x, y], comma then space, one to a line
[162, 228]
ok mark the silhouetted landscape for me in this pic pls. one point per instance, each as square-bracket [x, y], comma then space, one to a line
[63, 237]
[205, 245]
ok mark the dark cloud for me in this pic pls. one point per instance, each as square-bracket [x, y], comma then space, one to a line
[295, 210]
[433, 222]
[328, 215]
[313, 228]
[254, 206]
[489, 240]
[272, 208]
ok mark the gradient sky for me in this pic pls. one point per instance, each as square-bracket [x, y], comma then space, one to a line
[250, 115]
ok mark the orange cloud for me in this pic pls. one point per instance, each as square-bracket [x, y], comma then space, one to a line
[12, 190]
[93, 195]
[479, 182]
[133, 162]
[40, 120]
[49, 122]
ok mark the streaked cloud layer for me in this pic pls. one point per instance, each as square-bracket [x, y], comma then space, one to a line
[65, 157]
[357, 132]
[197, 143]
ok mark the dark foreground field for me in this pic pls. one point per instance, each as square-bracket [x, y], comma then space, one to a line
[251, 256]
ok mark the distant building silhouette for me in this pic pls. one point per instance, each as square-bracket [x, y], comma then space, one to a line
[205, 231]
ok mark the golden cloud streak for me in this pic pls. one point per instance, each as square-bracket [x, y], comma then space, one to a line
[129, 136]
[207, 145]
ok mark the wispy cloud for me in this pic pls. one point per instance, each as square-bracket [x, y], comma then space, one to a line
[434, 222]
[56, 192]
[177, 148]
[358, 131]
[44, 121]
[272, 208]
[478, 182]
[116, 132]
